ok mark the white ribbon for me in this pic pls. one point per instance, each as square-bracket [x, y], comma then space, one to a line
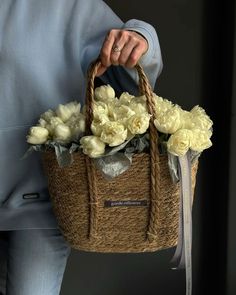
[183, 253]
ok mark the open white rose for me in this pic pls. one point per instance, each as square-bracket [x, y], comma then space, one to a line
[62, 133]
[138, 108]
[187, 120]
[125, 98]
[162, 105]
[139, 104]
[138, 124]
[179, 142]
[201, 139]
[66, 111]
[37, 135]
[170, 121]
[100, 108]
[97, 124]
[122, 113]
[112, 105]
[104, 93]
[113, 133]
[200, 118]
[92, 146]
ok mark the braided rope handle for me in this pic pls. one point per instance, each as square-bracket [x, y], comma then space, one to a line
[144, 89]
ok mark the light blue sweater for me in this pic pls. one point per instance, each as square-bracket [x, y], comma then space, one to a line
[46, 47]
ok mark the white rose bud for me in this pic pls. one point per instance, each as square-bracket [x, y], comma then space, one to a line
[138, 124]
[179, 143]
[66, 111]
[104, 93]
[201, 139]
[37, 135]
[92, 146]
[113, 133]
[170, 121]
[62, 133]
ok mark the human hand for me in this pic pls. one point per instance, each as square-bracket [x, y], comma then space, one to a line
[121, 47]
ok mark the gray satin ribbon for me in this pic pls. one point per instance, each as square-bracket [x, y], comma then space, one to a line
[183, 253]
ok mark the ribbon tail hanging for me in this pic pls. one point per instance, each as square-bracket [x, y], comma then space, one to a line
[183, 253]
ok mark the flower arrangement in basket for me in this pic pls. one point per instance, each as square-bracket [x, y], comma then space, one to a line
[112, 166]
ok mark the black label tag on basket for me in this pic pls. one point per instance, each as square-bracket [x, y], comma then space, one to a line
[31, 196]
[128, 203]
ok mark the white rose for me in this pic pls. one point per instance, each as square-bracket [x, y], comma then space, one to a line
[99, 108]
[138, 124]
[92, 146]
[187, 120]
[54, 121]
[104, 93]
[113, 133]
[162, 105]
[122, 113]
[37, 135]
[201, 139]
[96, 126]
[140, 99]
[62, 133]
[125, 98]
[138, 104]
[76, 124]
[66, 111]
[170, 121]
[138, 108]
[200, 118]
[179, 142]
[112, 105]
[48, 115]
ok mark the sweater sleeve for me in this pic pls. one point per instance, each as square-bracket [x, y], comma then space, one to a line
[121, 79]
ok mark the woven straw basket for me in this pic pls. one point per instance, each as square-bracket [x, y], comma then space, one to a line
[147, 218]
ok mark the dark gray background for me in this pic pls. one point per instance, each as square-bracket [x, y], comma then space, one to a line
[197, 55]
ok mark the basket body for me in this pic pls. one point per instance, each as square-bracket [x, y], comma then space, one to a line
[118, 221]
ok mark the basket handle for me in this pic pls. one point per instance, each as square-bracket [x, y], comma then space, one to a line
[144, 89]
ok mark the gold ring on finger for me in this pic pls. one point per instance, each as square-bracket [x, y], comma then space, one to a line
[116, 48]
